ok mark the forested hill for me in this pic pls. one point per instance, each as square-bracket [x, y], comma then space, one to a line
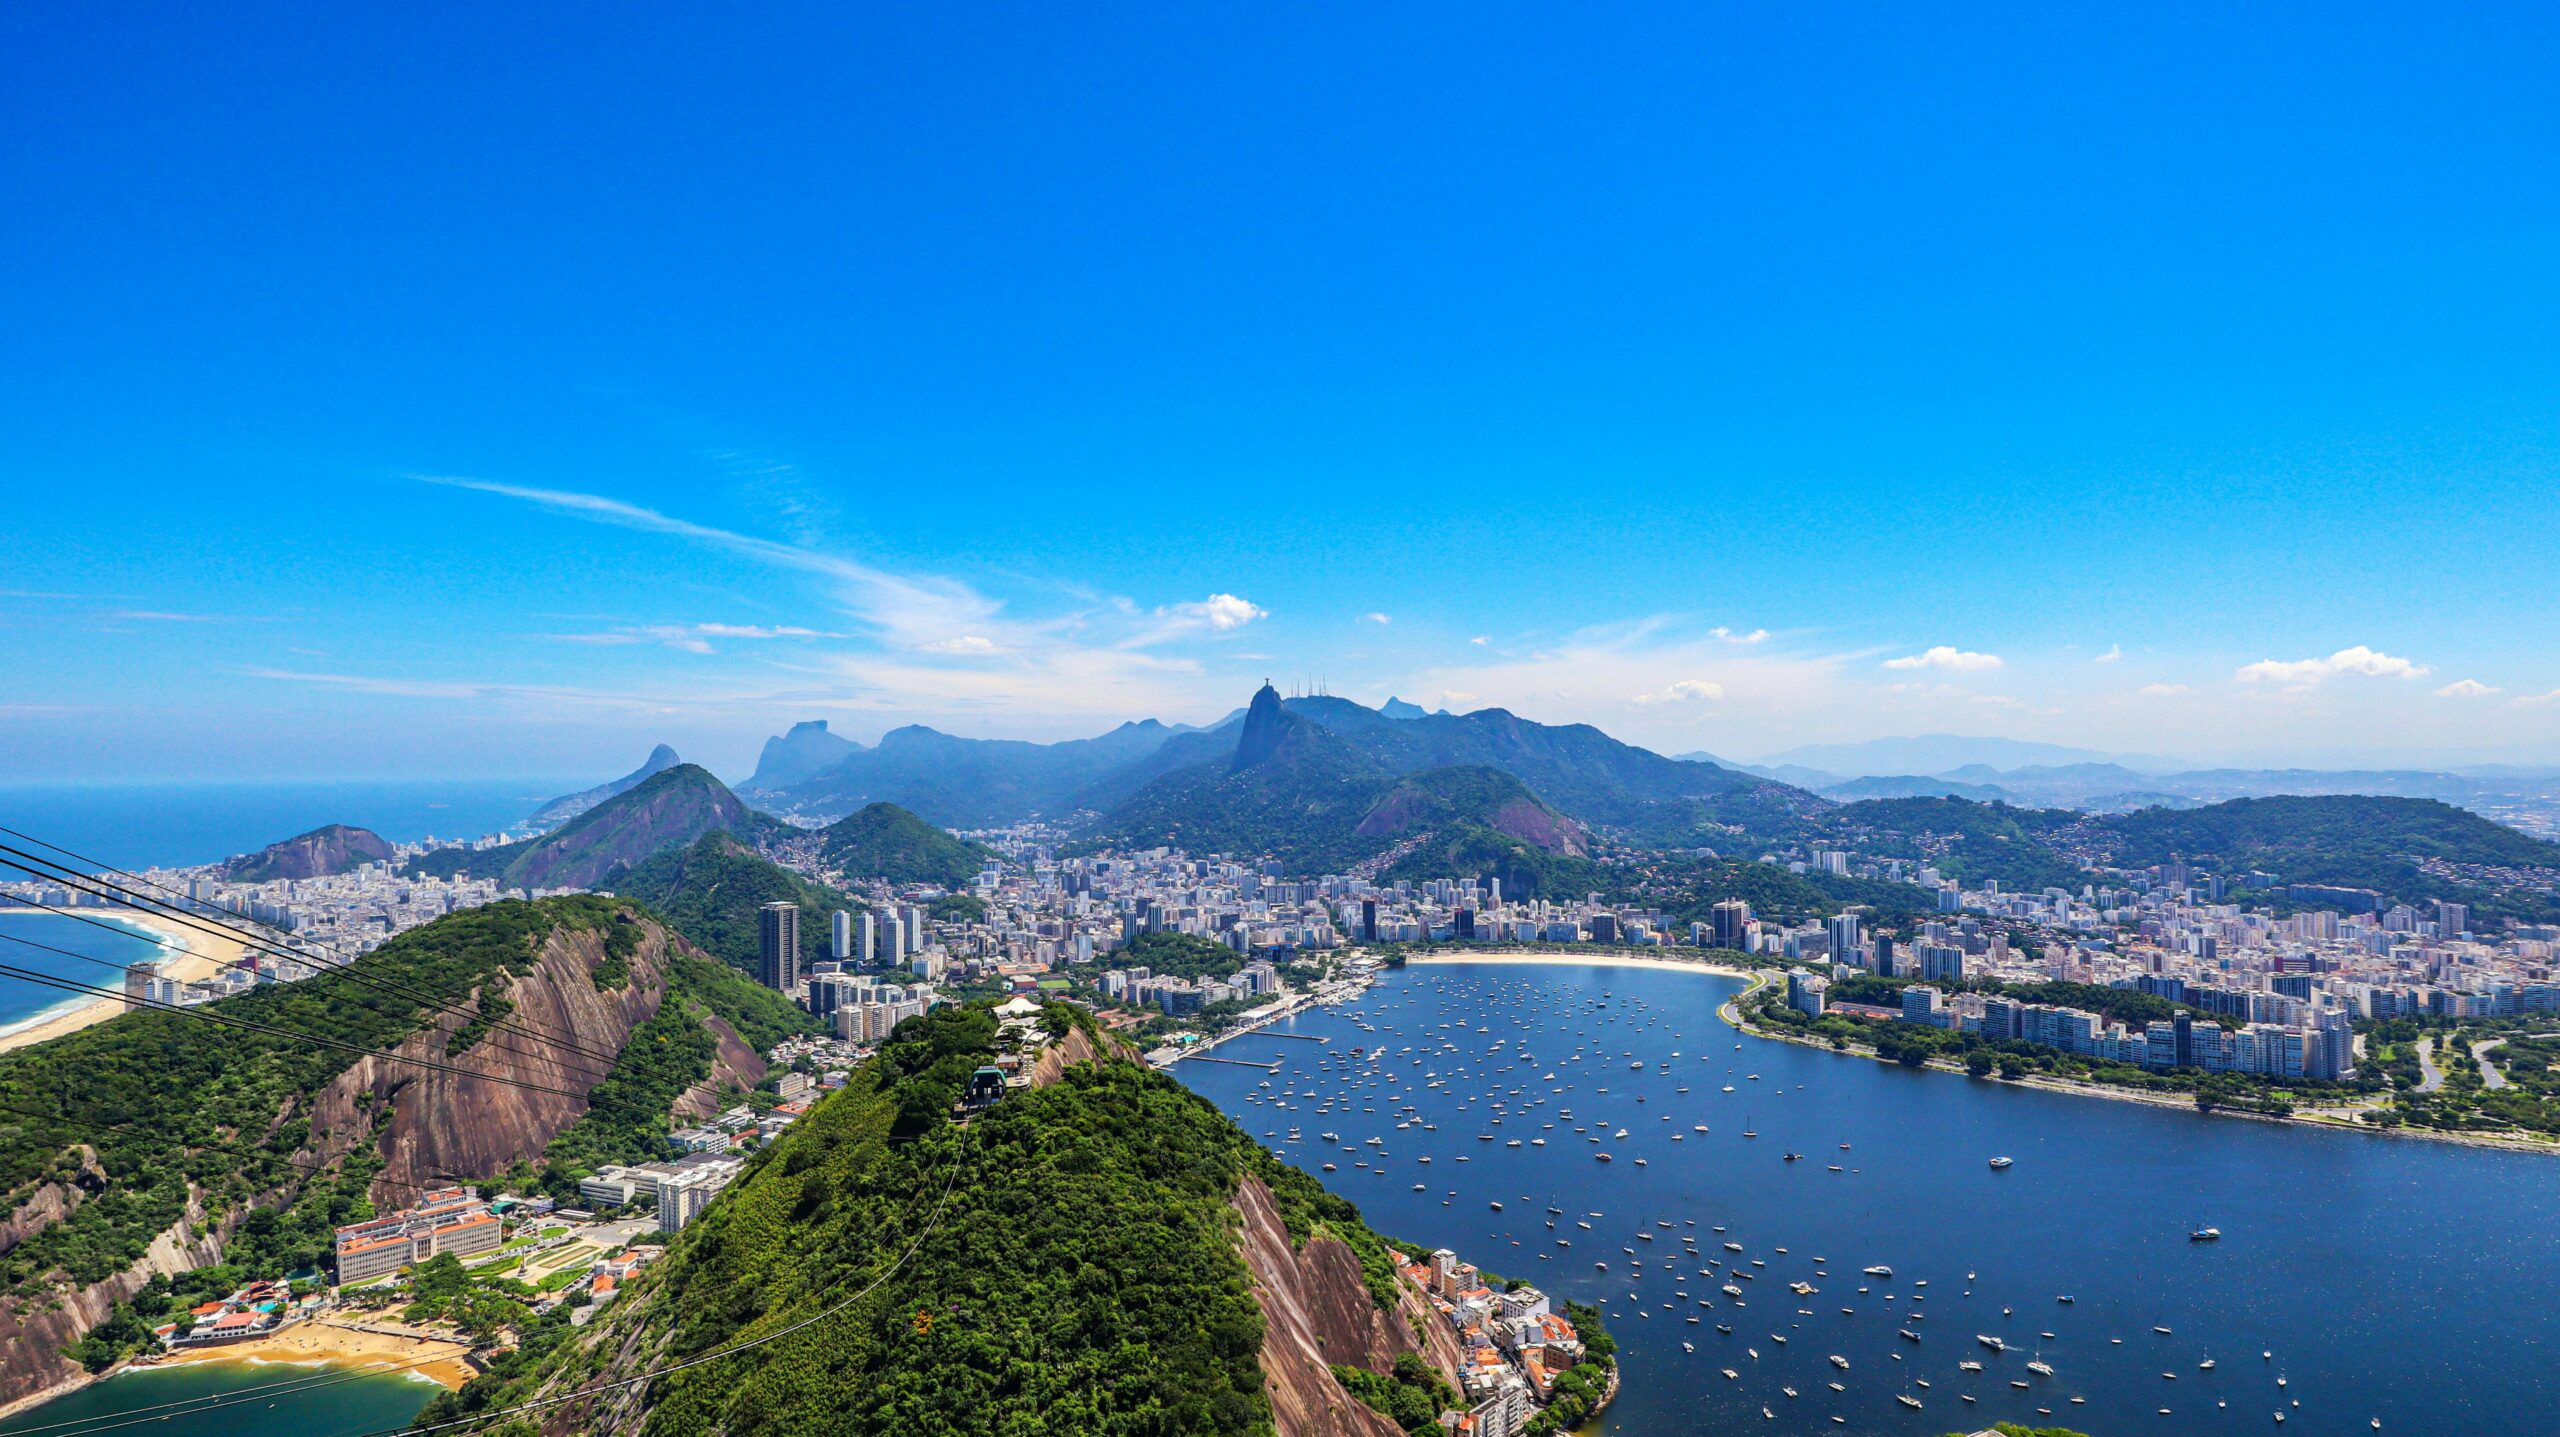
[1103, 1253]
[710, 891]
[2411, 849]
[167, 1135]
[887, 842]
[669, 809]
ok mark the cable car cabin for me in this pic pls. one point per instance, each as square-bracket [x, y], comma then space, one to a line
[985, 1086]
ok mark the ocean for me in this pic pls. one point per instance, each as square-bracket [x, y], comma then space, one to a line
[286, 1400]
[178, 824]
[87, 948]
[2386, 1278]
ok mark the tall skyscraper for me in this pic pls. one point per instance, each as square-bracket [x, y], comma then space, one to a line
[897, 941]
[1729, 922]
[778, 946]
[870, 939]
[840, 936]
[1845, 938]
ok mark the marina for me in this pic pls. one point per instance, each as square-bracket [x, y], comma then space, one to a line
[2098, 1204]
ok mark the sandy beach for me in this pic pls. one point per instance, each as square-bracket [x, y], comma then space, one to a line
[321, 1341]
[192, 954]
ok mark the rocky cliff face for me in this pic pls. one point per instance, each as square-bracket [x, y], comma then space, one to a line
[1317, 1313]
[807, 751]
[431, 1127]
[333, 848]
[442, 1125]
[34, 1331]
[1265, 724]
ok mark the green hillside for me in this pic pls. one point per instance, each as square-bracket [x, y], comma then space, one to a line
[1967, 841]
[1065, 1263]
[161, 1110]
[886, 842]
[2354, 841]
[709, 891]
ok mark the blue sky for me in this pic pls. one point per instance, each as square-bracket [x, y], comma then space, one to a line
[463, 391]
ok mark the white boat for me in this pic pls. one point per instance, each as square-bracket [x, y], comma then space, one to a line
[1998, 1164]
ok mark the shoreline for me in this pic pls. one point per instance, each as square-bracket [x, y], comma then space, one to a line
[1729, 1011]
[2080, 1088]
[315, 1342]
[188, 955]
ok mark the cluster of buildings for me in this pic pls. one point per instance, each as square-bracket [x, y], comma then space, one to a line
[1512, 1344]
[447, 1220]
[2294, 981]
[1178, 996]
[247, 1312]
[682, 1187]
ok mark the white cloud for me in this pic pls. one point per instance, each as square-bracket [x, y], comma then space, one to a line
[1756, 636]
[1685, 691]
[1224, 613]
[2467, 689]
[2113, 653]
[2535, 700]
[1480, 640]
[1456, 696]
[1375, 619]
[2371, 663]
[1945, 656]
[2162, 691]
[962, 644]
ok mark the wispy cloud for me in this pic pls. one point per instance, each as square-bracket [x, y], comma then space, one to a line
[2371, 663]
[1945, 656]
[2468, 689]
[2162, 691]
[694, 638]
[1756, 636]
[1375, 618]
[2113, 653]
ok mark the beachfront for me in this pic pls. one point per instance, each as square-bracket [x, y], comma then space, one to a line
[188, 953]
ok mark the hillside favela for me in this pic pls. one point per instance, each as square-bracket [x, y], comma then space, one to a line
[1452, 721]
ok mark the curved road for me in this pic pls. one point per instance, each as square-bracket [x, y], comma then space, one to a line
[2430, 1077]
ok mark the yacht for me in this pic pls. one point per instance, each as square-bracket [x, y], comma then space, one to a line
[1997, 1164]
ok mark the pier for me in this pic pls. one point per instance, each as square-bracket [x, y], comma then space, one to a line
[1270, 1067]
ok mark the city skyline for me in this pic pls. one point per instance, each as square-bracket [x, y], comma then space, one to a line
[1727, 381]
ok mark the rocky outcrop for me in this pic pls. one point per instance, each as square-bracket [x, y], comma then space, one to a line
[332, 848]
[444, 1125]
[1317, 1313]
[35, 1330]
[735, 1064]
[1266, 723]
[1076, 1047]
[807, 751]
[51, 1202]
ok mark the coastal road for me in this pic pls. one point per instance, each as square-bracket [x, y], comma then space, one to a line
[2430, 1077]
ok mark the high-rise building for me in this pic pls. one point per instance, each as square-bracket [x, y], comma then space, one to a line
[1368, 920]
[1845, 937]
[778, 946]
[840, 936]
[897, 942]
[870, 939]
[1729, 923]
